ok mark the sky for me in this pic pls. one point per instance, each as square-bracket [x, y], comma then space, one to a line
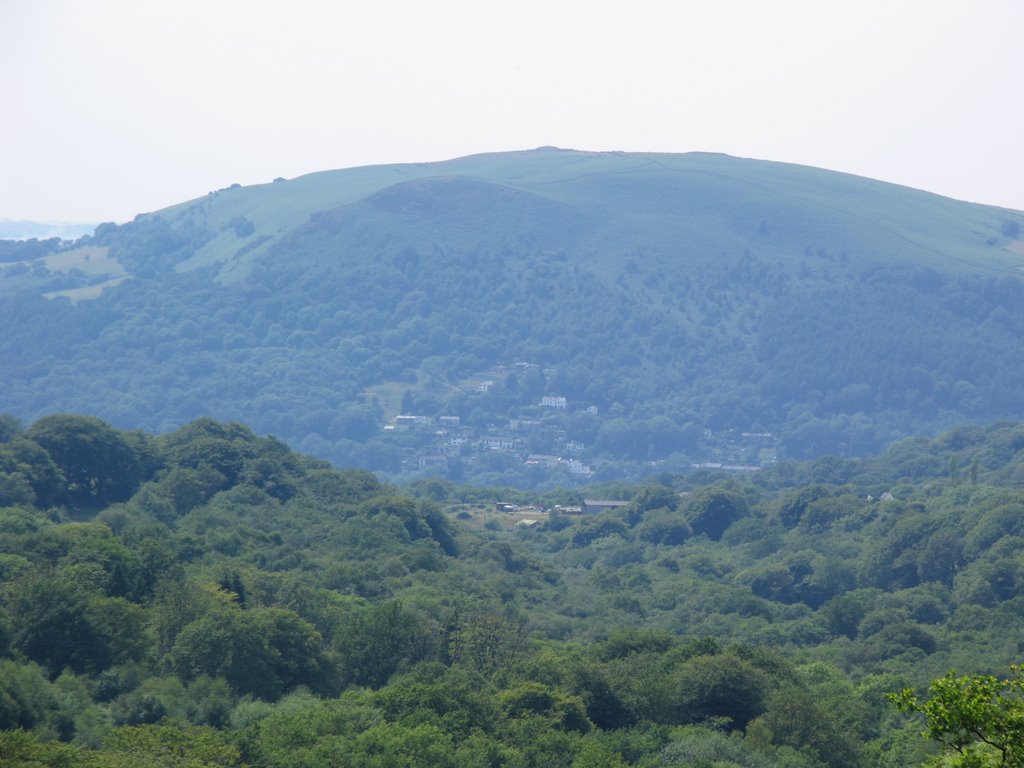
[117, 107]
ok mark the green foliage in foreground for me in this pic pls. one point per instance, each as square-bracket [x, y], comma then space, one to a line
[221, 601]
[980, 718]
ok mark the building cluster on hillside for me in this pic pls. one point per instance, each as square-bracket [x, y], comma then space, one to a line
[537, 439]
[587, 507]
[726, 467]
[450, 438]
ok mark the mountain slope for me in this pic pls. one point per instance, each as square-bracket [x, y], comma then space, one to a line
[668, 298]
[704, 199]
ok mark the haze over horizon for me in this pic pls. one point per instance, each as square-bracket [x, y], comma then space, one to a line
[126, 108]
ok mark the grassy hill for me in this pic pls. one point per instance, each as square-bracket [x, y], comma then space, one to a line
[681, 205]
[680, 304]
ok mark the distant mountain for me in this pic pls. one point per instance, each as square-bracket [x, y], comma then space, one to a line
[667, 309]
[11, 229]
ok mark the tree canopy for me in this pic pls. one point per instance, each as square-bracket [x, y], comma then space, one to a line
[249, 606]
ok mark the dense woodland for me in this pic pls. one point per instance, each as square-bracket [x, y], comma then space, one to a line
[208, 597]
[665, 297]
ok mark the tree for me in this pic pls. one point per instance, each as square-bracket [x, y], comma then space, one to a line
[800, 716]
[188, 488]
[702, 746]
[26, 468]
[978, 717]
[60, 624]
[9, 427]
[171, 745]
[663, 527]
[485, 641]
[720, 686]
[208, 445]
[590, 530]
[531, 699]
[715, 509]
[15, 490]
[25, 695]
[101, 466]
[264, 652]
[651, 498]
[20, 749]
[794, 506]
[177, 603]
[378, 641]
[941, 558]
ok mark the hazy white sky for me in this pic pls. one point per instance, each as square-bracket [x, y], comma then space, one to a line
[113, 107]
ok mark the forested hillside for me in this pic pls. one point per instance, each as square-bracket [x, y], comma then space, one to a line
[616, 315]
[207, 597]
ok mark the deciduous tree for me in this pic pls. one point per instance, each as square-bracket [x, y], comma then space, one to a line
[979, 718]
